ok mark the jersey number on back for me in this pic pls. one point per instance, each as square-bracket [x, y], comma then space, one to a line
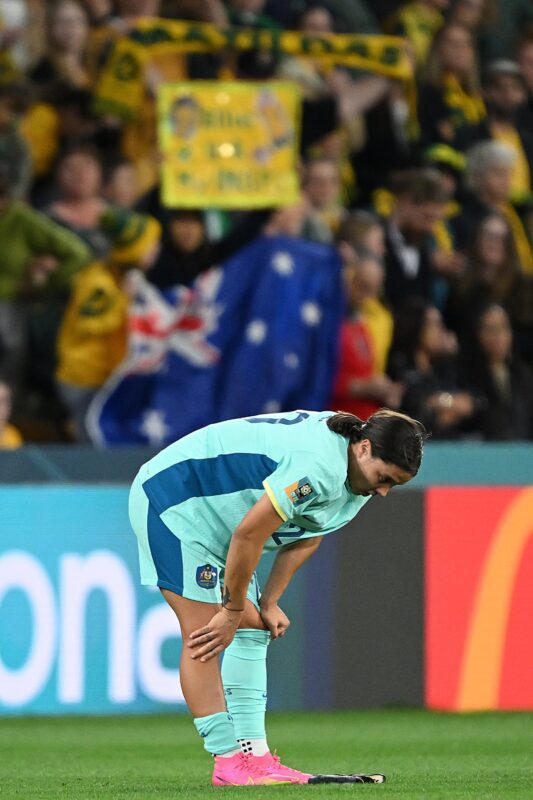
[280, 420]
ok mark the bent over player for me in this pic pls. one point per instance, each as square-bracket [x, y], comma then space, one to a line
[205, 509]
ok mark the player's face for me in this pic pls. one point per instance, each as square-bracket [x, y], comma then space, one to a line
[369, 475]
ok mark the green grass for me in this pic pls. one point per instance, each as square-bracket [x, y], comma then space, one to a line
[424, 755]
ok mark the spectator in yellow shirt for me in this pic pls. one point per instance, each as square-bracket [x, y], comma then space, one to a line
[361, 243]
[93, 335]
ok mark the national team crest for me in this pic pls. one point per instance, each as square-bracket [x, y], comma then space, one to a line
[206, 576]
[300, 492]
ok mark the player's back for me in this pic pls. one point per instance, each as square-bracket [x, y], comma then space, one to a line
[273, 436]
[203, 485]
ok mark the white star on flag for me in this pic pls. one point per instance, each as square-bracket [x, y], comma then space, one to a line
[291, 360]
[256, 331]
[271, 407]
[283, 263]
[154, 426]
[311, 313]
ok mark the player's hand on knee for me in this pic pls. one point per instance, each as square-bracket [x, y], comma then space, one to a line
[213, 638]
[275, 619]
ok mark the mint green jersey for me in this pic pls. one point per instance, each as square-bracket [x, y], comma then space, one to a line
[204, 484]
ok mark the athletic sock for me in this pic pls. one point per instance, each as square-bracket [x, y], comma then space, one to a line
[218, 734]
[254, 747]
[244, 677]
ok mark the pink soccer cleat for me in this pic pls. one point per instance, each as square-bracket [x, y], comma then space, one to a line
[271, 765]
[240, 770]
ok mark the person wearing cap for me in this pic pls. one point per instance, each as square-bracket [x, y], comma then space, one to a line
[451, 165]
[93, 335]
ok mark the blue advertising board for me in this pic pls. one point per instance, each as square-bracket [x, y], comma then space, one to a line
[78, 633]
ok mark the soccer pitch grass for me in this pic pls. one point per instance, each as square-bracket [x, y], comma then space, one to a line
[424, 755]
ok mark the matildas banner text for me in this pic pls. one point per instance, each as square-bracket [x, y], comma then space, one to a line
[228, 144]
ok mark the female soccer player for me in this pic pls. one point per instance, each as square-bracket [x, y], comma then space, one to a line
[204, 510]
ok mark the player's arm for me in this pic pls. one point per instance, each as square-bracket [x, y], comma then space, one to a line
[244, 552]
[287, 562]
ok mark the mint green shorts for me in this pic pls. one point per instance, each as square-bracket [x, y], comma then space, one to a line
[167, 562]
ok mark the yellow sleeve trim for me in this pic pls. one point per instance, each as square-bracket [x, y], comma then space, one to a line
[273, 500]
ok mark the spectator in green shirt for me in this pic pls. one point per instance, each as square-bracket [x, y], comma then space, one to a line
[38, 258]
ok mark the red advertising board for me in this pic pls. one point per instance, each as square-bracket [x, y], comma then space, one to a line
[479, 598]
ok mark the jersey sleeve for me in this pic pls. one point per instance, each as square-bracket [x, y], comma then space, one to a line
[298, 485]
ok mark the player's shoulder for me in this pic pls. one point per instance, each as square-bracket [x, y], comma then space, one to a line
[325, 470]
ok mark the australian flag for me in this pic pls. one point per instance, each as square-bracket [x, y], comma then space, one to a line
[257, 334]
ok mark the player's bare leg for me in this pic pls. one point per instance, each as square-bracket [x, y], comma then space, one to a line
[201, 683]
[200, 680]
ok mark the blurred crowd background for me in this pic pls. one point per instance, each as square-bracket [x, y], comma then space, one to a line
[430, 207]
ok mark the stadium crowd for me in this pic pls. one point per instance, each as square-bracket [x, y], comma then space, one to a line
[428, 200]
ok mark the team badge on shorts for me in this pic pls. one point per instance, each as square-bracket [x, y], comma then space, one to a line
[300, 492]
[207, 576]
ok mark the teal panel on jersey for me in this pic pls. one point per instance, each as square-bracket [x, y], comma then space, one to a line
[207, 477]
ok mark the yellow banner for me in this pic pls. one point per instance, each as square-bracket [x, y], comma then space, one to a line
[121, 88]
[228, 144]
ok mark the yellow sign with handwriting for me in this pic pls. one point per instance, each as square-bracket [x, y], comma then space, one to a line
[228, 144]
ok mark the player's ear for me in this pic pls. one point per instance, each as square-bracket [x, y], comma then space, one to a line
[366, 447]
